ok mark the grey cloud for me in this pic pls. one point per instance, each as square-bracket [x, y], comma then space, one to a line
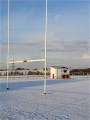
[77, 45]
[24, 43]
[56, 46]
[68, 46]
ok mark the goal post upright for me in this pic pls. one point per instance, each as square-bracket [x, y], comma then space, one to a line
[45, 45]
[8, 44]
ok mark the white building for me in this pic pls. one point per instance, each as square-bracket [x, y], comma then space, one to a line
[59, 72]
[3, 72]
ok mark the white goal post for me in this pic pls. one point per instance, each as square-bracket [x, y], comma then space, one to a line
[31, 60]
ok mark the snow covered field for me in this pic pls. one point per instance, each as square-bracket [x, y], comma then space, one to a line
[66, 99]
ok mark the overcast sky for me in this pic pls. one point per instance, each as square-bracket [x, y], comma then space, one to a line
[68, 31]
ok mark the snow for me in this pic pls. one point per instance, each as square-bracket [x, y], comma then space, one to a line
[66, 99]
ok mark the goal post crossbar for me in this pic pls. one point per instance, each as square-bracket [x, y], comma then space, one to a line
[31, 60]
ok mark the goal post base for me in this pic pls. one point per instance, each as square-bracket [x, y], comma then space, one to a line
[7, 88]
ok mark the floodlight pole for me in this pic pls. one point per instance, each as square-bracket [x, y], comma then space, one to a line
[8, 44]
[45, 45]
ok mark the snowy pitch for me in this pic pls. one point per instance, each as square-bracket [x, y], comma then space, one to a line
[66, 99]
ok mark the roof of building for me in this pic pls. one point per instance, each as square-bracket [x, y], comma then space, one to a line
[59, 67]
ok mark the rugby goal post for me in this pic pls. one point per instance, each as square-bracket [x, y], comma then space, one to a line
[34, 60]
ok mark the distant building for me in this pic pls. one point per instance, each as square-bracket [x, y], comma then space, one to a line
[19, 71]
[58, 72]
[3, 73]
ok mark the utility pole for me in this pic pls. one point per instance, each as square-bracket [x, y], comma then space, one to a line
[13, 68]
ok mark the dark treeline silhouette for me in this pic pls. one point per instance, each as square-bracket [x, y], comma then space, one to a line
[80, 71]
